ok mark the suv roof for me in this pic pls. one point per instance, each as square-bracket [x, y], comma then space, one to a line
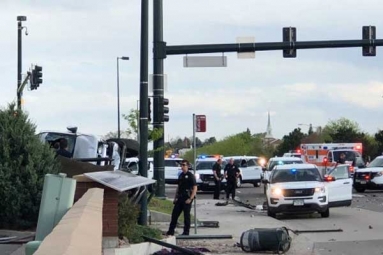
[240, 157]
[285, 158]
[297, 166]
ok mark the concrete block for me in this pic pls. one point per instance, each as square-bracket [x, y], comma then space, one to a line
[159, 217]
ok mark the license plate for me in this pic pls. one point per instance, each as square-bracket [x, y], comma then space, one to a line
[299, 202]
[363, 182]
[211, 183]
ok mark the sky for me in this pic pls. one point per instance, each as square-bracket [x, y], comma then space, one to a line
[77, 44]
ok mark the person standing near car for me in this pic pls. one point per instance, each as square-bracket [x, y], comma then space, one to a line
[217, 167]
[231, 175]
[185, 194]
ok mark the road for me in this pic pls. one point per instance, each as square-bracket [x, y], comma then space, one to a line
[361, 222]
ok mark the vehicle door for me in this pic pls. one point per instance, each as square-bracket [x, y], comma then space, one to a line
[245, 169]
[172, 169]
[254, 169]
[340, 190]
[150, 169]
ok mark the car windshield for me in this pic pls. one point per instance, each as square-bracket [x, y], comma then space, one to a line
[52, 137]
[377, 162]
[274, 163]
[204, 165]
[350, 155]
[296, 175]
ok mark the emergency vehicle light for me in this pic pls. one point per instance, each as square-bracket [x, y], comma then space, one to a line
[325, 147]
[293, 170]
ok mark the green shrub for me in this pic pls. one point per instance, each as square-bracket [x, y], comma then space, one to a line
[25, 161]
[127, 222]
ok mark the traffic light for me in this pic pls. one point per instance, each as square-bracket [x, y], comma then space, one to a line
[149, 111]
[163, 109]
[369, 33]
[290, 35]
[36, 77]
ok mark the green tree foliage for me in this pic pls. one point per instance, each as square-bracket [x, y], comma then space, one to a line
[379, 141]
[25, 161]
[240, 144]
[346, 131]
[291, 141]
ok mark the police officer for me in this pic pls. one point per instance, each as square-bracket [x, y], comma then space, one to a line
[217, 178]
[185, 194]
[231, 175]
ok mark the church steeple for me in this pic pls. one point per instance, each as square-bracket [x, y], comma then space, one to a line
[269, 135]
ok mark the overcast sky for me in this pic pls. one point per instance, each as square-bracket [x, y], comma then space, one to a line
[77, 43]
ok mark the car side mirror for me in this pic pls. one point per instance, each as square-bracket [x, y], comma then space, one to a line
[329, 178]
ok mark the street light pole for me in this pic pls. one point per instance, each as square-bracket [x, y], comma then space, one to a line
[118, 96]
[19, 58]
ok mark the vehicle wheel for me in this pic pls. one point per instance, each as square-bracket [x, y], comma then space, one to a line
[326, 213]
[360, 189]
[270, 213]
[239, 182]
[256, 184]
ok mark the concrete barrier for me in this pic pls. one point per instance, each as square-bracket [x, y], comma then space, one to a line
[80, 231]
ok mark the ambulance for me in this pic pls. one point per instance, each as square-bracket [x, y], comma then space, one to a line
[326, 155]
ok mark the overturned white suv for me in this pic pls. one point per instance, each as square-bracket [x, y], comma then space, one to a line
[300, 188]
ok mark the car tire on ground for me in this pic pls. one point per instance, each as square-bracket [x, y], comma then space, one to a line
[256, 184]
[326, 213]
[360, 189]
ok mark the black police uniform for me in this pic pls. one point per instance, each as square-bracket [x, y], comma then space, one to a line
[217, 189]
[231, 172]
[186, 182]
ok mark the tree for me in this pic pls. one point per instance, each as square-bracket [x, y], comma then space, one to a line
[379, 140]
[25, 161]
[310, 130]
[131, 118]
[291, 141]
[342, 130]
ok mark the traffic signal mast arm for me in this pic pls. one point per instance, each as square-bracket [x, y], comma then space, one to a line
[21, 88]
[289, 43]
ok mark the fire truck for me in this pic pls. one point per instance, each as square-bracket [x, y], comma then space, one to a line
[326, 155]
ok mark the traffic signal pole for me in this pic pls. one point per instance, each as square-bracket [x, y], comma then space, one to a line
[158, 95]
[19, 62]
[143, 113]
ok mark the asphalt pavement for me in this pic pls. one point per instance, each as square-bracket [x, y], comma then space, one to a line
[361, 225]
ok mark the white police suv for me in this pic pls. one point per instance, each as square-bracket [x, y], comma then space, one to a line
[300, 188]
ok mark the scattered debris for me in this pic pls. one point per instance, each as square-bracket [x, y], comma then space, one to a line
[172, 246]
[204, 237]
[297, 232]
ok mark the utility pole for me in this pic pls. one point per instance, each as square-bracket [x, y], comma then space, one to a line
[143, 113]
[158, 97]
[20, 19]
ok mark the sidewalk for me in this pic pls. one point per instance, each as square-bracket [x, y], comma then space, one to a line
[234, 220]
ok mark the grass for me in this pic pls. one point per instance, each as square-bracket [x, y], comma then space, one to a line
[165, 206]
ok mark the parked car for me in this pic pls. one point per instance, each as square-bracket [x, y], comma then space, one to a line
[300, 188]
[204, 174]
[250, 169]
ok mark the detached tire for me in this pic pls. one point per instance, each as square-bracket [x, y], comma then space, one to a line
[326, 213]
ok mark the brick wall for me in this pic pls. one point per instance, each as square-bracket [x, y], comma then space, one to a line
[109, 209]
